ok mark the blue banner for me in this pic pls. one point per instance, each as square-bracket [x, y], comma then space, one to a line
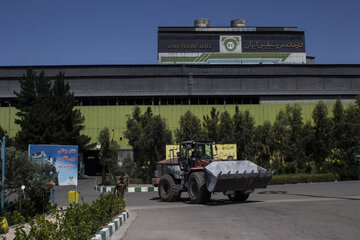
[63, 158]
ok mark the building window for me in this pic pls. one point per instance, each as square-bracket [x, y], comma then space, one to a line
[161, 100]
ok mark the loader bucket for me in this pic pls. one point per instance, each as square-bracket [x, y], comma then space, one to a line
[238, 175]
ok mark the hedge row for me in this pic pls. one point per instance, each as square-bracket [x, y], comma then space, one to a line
[303, 178]
[77, 222]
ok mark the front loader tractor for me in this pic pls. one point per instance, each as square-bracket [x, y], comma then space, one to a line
[195, 170]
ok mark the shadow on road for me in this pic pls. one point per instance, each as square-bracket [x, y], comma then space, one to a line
[156, 198]
[211, 203]
[326, 197]
[214, 203]
[273, 192]
[307, 195]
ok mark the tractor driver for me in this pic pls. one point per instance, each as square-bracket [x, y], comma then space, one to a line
[201, 153]
[195, 155]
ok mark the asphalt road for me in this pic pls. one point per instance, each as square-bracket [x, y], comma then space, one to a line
[300, 211]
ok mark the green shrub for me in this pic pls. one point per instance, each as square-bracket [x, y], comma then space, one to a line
[303, 178]
[14, 218]
[77, 222]
[28, 209]
[308, 168]
[348, 172]
[279, 170]
[139, 181]
[290, 168]
[345, 171]
[40, 229]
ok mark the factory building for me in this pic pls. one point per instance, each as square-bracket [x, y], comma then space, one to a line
[105, 94]
[260, 69]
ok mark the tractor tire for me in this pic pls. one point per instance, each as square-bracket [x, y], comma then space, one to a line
[168, 190]
[238, 196]
[197, 190]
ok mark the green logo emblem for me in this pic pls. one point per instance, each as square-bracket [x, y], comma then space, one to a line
[230, 43]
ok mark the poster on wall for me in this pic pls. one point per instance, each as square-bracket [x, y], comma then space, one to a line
[221, 151]
[62, 158]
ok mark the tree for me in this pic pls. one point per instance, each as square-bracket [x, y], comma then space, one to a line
[148, 136]
[357, 100]
[211, 125]
[46, 113]
[244, 131]
[281, 134]
[68, 121]
[129, 168]
[322, 128]
[156, 136]
[190, 128]
[20, 170]
[134, 132]
[296, 151]
[33, 103]
[9, 141]
[264, 142]
[226, 128]
[338, 125]
[350, 141]
[108, 155]
[308, 139]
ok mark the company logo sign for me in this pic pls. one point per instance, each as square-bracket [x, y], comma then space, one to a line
[230, 44]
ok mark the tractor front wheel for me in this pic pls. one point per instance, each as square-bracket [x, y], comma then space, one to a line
[168, 190]
[197, 190]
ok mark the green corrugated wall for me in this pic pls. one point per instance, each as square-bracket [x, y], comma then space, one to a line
[114, 117]
[7, 115]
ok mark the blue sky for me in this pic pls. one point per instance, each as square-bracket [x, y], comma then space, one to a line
[81, 32]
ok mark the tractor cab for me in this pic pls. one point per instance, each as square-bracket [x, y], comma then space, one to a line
[195, 154]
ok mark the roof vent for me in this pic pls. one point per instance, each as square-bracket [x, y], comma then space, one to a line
[238, 23]
[202, 23]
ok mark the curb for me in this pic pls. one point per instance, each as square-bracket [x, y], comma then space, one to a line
[104, 189]
[111, 228]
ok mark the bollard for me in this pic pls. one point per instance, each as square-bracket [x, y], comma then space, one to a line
[72, 196]
[4, 225]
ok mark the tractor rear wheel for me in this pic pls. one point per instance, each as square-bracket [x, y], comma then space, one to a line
[238, 196]
[168, 190]
[197, 190]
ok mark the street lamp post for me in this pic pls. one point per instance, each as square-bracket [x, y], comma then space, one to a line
[23, 192]
[9, 118]
[3, 175]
